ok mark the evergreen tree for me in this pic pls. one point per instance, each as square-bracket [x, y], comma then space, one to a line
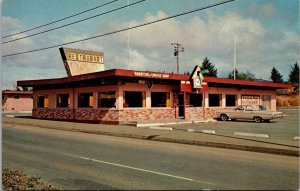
[294, 76]
[212, 71]
[231, 75]
[276, 76]
[242, 75]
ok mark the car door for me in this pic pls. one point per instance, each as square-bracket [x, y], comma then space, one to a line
[237, 113]
[248, 112]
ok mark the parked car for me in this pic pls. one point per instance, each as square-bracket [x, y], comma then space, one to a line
[258, 113]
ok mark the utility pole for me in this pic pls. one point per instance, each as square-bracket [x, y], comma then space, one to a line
[177, 48]
[234, 58]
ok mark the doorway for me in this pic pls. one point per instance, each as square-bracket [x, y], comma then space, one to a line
[181, 105]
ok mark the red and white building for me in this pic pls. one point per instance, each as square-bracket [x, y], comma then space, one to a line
[117, 95]
[17, 101]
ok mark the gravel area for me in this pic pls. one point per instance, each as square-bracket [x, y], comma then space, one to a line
[18, 180]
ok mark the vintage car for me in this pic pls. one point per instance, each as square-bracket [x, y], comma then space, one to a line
[258, 113]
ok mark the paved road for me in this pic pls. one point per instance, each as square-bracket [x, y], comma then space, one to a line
[84, 161]
[285, 129]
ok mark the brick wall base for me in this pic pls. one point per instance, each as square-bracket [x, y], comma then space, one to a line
[114, 116]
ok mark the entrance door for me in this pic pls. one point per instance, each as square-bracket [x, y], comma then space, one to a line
[181, 105]
[266, 101]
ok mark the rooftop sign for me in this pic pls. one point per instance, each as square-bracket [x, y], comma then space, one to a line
[79, 62]
[151, 75]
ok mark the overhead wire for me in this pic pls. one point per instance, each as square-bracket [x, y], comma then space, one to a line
[121, 30]
[56, 21]
[75, 22]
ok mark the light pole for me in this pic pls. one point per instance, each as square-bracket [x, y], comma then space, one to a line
[177, 48]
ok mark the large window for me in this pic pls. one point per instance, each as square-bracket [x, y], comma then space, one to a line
[107, 99]
[215, 100]
[160, 99]
[62, 100]
[85, 100]
[196, 99]
[231, 100]
[134, 99]
[42, 101]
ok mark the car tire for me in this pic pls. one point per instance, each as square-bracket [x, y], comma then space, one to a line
[257, 119]
[224, 117]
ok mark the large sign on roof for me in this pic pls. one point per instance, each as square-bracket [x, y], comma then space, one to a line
[79, 62]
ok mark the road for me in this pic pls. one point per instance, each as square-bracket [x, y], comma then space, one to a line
[72, 160]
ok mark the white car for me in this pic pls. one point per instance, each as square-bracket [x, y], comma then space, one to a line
[258, 113]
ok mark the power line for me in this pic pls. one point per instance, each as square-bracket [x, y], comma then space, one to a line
[121, 30]
[56, 21]
[73, 22]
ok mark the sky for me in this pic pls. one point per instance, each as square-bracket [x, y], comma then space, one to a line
[267, 36]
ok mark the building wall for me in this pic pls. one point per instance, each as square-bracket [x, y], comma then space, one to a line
[11, 104]
[120, 114]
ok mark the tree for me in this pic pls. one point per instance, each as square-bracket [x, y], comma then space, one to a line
[231, 75]
[294, 76]
[212, 71]
[246, 76]
[276, 77]
[242, 76]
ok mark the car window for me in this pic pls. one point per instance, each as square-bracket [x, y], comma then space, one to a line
[241, 107]
[262, 108]
[249, 108]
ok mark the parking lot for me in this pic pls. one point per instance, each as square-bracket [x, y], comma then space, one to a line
[285, 129]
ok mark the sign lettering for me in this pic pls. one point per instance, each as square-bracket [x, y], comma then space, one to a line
[250, 100]
[151, 75]
[84, 57]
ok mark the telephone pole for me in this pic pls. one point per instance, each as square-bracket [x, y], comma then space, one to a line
[177, 48]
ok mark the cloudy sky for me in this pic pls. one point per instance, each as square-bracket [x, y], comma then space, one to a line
[267, 34]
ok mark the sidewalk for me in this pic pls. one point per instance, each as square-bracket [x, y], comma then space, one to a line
[153, 131]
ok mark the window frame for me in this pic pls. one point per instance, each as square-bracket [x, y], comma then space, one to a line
[78, 100]
[196, 94]
[99, 99]
[56, 101]
[37, 101]
[219, 101]
[167, 100]
[143, 99]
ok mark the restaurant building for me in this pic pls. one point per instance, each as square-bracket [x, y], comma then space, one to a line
[16, 101]
[117, 96]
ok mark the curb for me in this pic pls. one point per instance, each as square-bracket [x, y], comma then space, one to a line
[181, 141]
[232, 146]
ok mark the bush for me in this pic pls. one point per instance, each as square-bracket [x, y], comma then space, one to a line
[18, 180]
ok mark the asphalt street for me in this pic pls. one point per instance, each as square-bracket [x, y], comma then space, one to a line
[73, 160]
[285, 129]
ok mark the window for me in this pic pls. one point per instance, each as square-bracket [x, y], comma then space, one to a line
[42, 101]
[85, 100]
[17, 97]
[134, 99]
[249, 108]
[107, 99]
[231, 101]
[160, 99]
[196, 99]
[62, 100]
[215, 100]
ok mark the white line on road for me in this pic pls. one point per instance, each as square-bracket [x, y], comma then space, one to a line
[139, 169]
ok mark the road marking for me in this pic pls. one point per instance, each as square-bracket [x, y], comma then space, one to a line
[139, 169]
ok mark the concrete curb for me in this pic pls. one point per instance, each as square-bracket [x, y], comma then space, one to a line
[231, 146]
[172, 140]
[251, 134]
